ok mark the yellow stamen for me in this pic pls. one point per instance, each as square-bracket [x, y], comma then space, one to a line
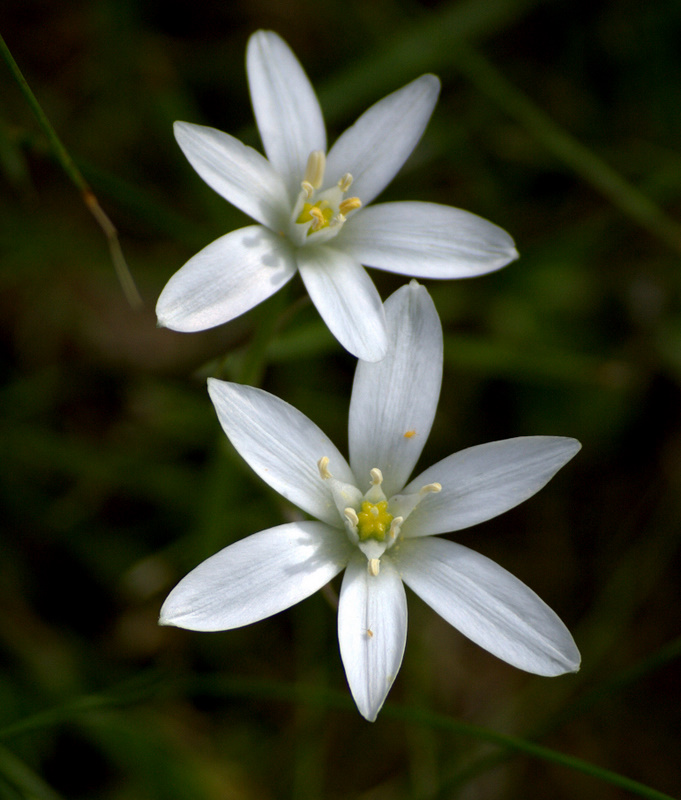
[314, 171]
[351, 516]
[395, 527]
[374, 566]
[323, 467]
[345, 182]
[317, 218]
[319, 214]
[349, 204]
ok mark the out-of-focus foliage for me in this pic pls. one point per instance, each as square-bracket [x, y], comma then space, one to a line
[559, 121]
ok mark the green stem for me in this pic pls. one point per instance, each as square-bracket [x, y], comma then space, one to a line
[18, 775]
[154, 683]
[419, 716]
[91, 202]
[622, 194]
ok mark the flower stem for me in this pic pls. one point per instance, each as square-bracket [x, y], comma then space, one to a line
[69, 166]
[589, 166]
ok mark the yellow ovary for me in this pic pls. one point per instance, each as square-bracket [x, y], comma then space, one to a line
[373, 521]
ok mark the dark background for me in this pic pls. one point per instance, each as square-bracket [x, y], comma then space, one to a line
[557, 120]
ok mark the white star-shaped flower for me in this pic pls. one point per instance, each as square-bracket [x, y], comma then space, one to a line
[311, 209]
[372, 523]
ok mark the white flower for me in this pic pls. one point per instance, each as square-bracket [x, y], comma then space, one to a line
[381, 531]
[308, 206]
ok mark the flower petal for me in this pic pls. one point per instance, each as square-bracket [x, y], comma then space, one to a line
[281, 445]
[346, 299]
[426, 240]
[378, 144]
[484, 481]
[226, 279]
[236, 172]
[488, 605]
[372, 631]
[286, 108]
[257, 577]
[393, 401]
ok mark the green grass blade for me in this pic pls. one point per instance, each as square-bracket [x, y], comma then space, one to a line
[622, 194]
[67, 163]
[419, 716]
[18, 775]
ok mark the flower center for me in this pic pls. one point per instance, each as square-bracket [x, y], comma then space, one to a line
[368, 522]
[322, 212]
[373, 520]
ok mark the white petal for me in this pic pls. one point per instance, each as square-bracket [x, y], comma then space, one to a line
[226, 279]
[286, 108]
[236, 172]
[426, 240]
[484, 481]
[488, 605]
[281, 445]
[378, 144]
[393, 401]
[257, 577]
[346, 299]
[372, 631]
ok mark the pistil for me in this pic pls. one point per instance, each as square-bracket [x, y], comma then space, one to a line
[373, 520]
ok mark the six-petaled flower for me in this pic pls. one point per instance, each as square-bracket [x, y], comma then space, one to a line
[376, 524]
[311, 209]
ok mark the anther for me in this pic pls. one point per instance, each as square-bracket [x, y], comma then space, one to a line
[314, 171]
[431, 487]
[323, 467]
[395, 527]
[349, 204]
[376, 477]
[345, 182]
[374, 565]
[351, 516]
[318, 221]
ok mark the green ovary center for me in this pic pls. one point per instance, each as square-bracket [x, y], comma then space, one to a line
[373, 520]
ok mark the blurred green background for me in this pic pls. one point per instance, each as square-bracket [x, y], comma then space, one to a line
[560, 122]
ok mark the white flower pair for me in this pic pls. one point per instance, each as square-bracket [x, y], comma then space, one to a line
[368, 519]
